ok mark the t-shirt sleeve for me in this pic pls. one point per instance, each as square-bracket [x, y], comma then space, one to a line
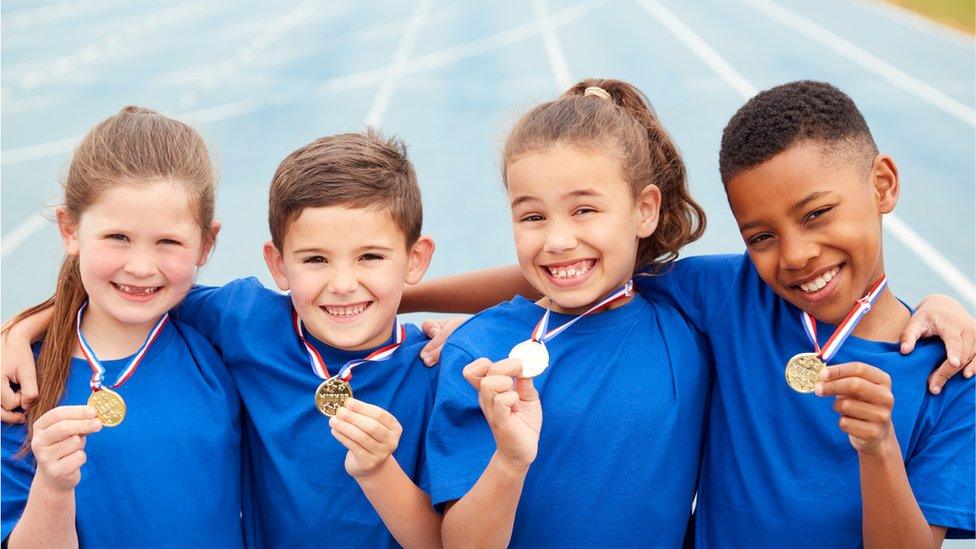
[17, 473]
[696, 286]
[941, 468]
[459, 442]
[202, 309]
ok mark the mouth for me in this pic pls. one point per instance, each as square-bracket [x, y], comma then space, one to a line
[136, 293]
[569, 274]
[347, 312]
[818, 286]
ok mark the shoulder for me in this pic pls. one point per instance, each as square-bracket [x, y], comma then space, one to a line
[484, 328]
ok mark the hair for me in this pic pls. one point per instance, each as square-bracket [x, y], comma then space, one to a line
[357, 170]
[626, 125]
[776, 119]
[133, 147]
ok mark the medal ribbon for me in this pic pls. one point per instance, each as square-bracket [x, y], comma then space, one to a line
[345, 373]
[98, 371]
[846, 327]
[540, 335]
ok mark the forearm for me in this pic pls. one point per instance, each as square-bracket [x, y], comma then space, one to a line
[405, 509]
[484, 517]
[468, 292]
[32, 328]
[891, 516]
[48, 520]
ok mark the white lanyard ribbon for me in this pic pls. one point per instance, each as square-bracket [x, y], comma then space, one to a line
[540, 335]
[846, 327]
[98, 371]
[345, 373]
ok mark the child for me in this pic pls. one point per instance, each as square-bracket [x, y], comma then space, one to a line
[603, 445]
[136, 223]
[808, 189]
[345, 216]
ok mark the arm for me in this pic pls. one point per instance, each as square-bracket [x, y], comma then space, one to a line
[58, 445]
[485, 516]
[18, 364]
[940, 315]
[468, 292]
[891, 515]
[371, 435]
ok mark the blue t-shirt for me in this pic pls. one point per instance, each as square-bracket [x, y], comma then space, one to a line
[624, 406]
[778, 469]
[169, 474]
[296, 489]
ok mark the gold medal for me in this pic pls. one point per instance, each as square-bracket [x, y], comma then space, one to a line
[331, 395]
[109, 406]
[803, 372]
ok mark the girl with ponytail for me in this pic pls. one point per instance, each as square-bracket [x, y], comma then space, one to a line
[595, 398]
[134, 437]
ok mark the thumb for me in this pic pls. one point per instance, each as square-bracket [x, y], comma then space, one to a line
[917, 327]
[526, 389]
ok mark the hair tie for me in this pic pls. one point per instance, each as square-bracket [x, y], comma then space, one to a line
[597, 92]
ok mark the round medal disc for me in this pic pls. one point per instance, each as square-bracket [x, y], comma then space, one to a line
[534, 357]
[803, 372]
[331, 395]
[109, 406]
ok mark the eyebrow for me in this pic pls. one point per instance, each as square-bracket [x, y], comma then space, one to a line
[372, 247]
[798, 206]
[582, 193]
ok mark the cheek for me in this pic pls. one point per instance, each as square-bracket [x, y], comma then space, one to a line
[528, 243]
[179, 266]
[99, 262]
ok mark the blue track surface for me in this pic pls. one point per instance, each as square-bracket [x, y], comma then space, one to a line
[262, 78]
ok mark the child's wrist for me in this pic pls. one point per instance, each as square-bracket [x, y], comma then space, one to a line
[377, 472]
[514, 468]
[885, 451]
[46, 490]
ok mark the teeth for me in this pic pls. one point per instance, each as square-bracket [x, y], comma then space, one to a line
[346, 310]
[138, 290]
[819, 282]
[572, 271]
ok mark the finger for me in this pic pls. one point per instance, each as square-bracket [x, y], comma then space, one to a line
[11, 418]
[863, 411]
[856, 369]
[511, 367]
[62, 413]
[952, 339]
[361, 454]
[431, 353]
[475, 371]
[69, 464]
[941, 375]
[490, 387]
[917, 326]
[26, 376]
[968, 347]
[357, 435]
[431, 327]
[862, 429]
[504, 402]
[9, 400]
[375, 412]
[970, 370]
[379, 432]
[68, 428]
[857, 388]
[62, 448]
[526, 390]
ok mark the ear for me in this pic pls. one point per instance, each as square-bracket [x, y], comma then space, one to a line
[276, 264]
[209, 241]
[68, 228]
[419, 259]
[884, 176]
[649, 209]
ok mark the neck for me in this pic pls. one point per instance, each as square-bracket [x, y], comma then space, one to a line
[110, 338]
[885, 321]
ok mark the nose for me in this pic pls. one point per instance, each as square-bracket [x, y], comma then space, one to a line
[140, 265]
[343, 281]
[796, 252]
[559, 238]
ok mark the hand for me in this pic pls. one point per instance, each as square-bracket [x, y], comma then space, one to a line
[370, 433]
[58, 445]
[864, 401]
[510, 405]
[17, 368]
[438, 331]
[940, 315]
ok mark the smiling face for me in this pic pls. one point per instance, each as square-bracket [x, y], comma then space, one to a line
[576, 223]
[812, 225]
[346, 268]
[139, 246]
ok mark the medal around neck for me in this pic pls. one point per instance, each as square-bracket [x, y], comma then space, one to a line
[533, 355]
[803, 372]
[109, 406]
[332, 395]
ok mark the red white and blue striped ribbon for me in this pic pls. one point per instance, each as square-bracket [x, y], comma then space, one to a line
[98, 371]
[846, 327]
[345, 373]
[539, 333]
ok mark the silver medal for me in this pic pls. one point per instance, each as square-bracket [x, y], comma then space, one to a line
[534, 357]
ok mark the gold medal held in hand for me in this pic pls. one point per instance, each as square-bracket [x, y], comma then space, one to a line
[331, 395]
[803, 372]
[109, 406]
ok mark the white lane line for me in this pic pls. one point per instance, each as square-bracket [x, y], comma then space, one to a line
[382, 99]
[16, 237]
[898, 228]
[908, 17]
[845, 48]
[41, 150]
[554, 48]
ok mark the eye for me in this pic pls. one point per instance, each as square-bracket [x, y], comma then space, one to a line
[531, 218]
[372, 257]
[314, 259]
[170, 242]
[117, 236]
[584, 210]
[758, 239]
[819, 212]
